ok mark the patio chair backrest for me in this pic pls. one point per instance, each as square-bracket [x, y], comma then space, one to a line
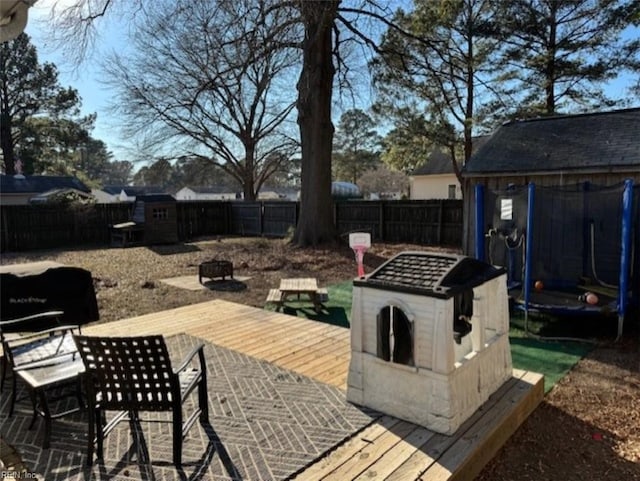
[129, 373]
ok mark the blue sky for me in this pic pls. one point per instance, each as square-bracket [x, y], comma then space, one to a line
[96, 97]
[86, 80]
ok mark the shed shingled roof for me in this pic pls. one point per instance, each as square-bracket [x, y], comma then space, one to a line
[598, 141]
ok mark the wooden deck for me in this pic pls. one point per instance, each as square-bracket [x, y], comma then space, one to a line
[389, 449]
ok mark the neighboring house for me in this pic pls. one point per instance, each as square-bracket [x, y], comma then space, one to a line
[19, 189]
[123, 193]
[435, 179]
[207, 193]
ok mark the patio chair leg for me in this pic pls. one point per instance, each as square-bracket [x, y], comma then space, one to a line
[91, 436]
[203, 403]
[203, 397]
[14, 387]
[99, 433]
[177, 436]
[4, 371]
[44, 405]
[34, 416]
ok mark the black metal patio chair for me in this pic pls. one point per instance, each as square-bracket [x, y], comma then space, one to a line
[133, 375]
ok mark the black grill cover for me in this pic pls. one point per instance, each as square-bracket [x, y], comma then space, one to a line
[68, 289]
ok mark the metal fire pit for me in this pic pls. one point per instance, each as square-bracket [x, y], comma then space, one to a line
[214, 269]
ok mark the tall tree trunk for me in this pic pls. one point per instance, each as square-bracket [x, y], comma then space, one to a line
[315, 224]
[468, 111]
[248, 180]
[7, 144]
[550, 71]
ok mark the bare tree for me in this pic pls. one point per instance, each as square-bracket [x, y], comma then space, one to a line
[329, 25]
[194, 79]
[384, 182]
[324, 26]
[315, 87]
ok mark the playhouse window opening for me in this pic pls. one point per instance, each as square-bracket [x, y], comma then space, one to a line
[462, 314]
[395, 336]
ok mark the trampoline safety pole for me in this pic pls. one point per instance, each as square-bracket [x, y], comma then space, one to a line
[479, 212]
[528, 253]
[625, 253]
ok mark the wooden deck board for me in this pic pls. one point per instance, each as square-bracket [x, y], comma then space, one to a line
[389, 449]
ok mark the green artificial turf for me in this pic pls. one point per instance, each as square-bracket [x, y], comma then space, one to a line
[338, 308]
[551, 358]
[554, 359]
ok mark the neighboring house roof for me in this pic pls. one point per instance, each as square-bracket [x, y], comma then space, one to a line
[216, 189]
[595, 141]
[133, 190]
[56, 194]
[439, 163]
[23, 184]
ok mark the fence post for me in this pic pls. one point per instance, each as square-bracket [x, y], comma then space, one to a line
[440, 226]
[381, 220]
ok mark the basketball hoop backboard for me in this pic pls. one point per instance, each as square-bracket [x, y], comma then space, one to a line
[360, 239]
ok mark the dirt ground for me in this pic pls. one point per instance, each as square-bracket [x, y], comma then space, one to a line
[588, 426]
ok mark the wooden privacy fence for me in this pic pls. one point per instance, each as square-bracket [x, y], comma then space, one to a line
[427, 222]
[26, 227]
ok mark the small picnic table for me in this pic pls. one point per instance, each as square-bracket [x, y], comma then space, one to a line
[307, 286]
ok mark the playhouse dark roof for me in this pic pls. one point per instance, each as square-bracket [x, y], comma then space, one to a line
[429, 273]
[600, 141]
[24, 184]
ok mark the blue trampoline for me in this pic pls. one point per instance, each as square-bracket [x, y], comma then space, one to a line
[560, 243]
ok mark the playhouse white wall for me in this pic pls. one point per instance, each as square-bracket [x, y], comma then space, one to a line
[448, 382]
